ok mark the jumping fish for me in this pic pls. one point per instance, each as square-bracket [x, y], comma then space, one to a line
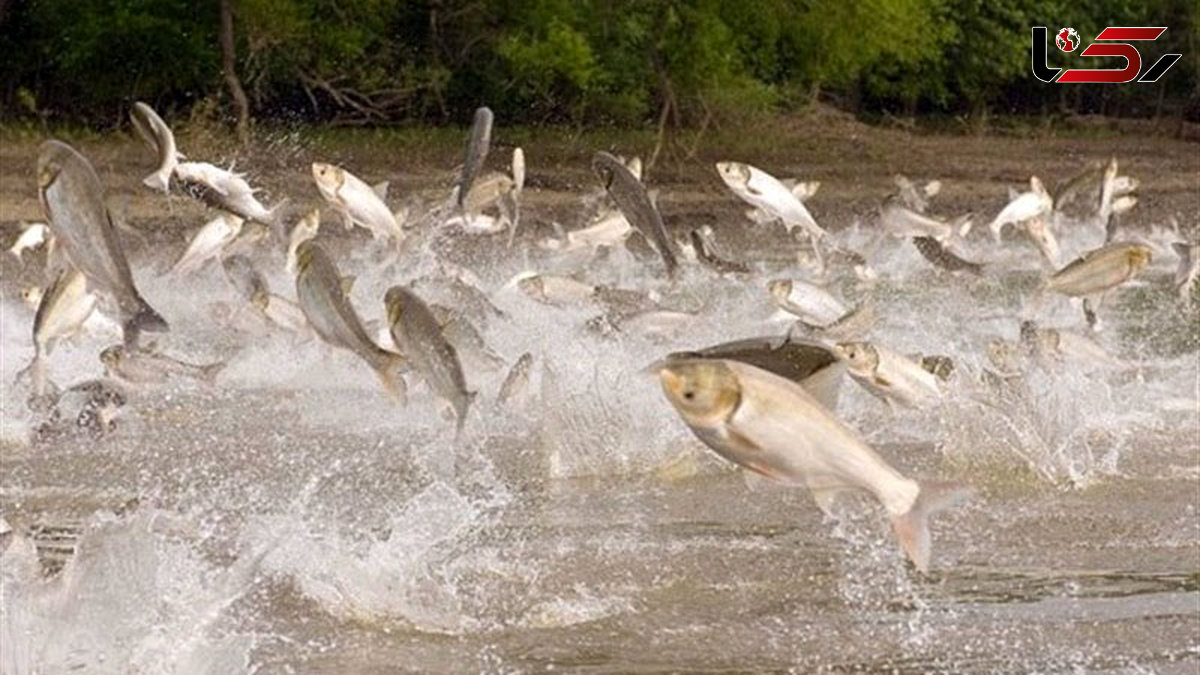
[226, 190]
[516, 383]
[137, 366]
[772, 426]
[478, 144]
[1035, 203]
[65, 306]
[762, 190]
[306, 228]
[933, 251]
[891, 377]
[208, 243]
[705, 254]
[631, 197]
[356, 202]
[1054, 345]
[73, 200]
[161, 139]
[419, 336]
[1100, 269]
[332, 317]
[901, 221]
[810, 303]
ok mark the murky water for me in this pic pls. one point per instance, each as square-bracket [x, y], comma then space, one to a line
[292, 519]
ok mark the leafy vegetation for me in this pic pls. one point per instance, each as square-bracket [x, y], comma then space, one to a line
[685, 63]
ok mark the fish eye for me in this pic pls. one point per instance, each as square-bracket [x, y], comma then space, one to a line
[689, 394]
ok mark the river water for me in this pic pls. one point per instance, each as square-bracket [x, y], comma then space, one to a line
[292, 519]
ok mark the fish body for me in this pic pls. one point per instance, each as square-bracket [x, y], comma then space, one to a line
[901, 221]
[1027, 205]
[226, 190]
[357, 203]
[63, 309]
[419, 336]
[808, 302]
[1100, 269]
[33, 236]
[159, 136]
[332, 317]
[137, 366]
[208, 243]
[891, 377]
[1044, 239]
[306, 228]
[282, 312]
[933, 251]
[73, 200]
[772, 426]
[608, 228]
[555, 290]
[478, 145]
[1060, 346]
[631, 198]
[516, 384]
[763, 191]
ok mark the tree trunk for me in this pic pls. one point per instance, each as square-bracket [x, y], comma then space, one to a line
[240, 103]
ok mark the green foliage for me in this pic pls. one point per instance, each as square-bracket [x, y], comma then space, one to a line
[587, 61]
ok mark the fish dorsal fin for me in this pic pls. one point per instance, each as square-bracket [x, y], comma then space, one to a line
[1013, 194]
[401, 215]
[381, 189]
[806, 189]
[347, 283]
[789, 183]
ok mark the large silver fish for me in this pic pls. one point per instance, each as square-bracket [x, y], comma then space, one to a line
[630, 196]
[772, 426]
[332, 317]
[1101, 269]
[417, 333]
[159, 136]
[226, 190]
[64, 307]
[73, 200]
[478, 145]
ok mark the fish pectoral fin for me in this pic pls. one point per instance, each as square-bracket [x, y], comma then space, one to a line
[381, 189]
[347, 283]
[881, 381]
[825, 497]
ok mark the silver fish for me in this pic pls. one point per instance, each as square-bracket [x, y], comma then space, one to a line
[630, 196]
[1101, 269]
[706, 255]
[902, 221]
[64, 307]
[516, 383]
[478, 144]
[332, 317]
[302, 231]
[891, 377]
[417, 333]
[73, 200]
[138, 366]
[772, 426]
[226, 190]
[159, 136]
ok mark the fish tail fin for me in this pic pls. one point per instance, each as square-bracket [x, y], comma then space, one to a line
[209, 373]
[144, 320]
[157, 181]
[912, 526]
[388, 371]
